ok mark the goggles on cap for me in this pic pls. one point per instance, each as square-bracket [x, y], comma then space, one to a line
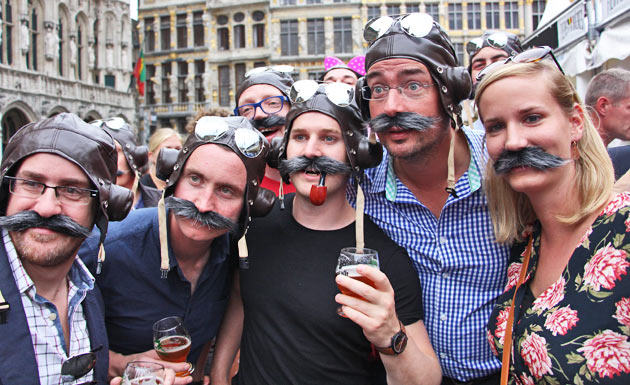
[413, 24]
[212, 129]
[271, 105]
[340, 94]
[530, 56]
[496, 40]
[279, 68]
[112, 123]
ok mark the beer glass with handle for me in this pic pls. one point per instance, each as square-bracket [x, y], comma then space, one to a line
[172, 342]
[349, 259]
[143, 373]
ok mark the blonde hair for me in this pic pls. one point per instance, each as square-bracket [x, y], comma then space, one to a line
[160, 135]
[511, 211]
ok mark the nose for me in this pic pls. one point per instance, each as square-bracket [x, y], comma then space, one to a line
[393, 102]
[48, 204]
[206, 201]
[514, 138]
[312, 148]
[259, 113]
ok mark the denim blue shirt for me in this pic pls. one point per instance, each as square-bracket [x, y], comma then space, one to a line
[135, 296]
[461, 268]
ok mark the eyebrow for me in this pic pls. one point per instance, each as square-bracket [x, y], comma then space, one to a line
[404, 72]
[36, 176]
[324, 130]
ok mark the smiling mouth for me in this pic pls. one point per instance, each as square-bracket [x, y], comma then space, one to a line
[267, 131]
[311, 172]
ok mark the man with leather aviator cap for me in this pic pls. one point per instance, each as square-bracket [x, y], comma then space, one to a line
[57, 183]
[173, 260]
[427, 194]
[263, 98]
[282, 311]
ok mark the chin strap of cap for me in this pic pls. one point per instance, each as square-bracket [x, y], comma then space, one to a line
[134, 188]
[164, 263]
[243, 253]
[450, 180]
[101, 257]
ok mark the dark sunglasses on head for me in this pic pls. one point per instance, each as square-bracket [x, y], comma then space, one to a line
[530, 56]
[78, 366]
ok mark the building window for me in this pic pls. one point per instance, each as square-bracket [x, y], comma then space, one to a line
[224, 38]
[342, 27]
[373, 11]
[224, 86]
[313, 1]
[166, 83]
[511, 14]
[289, 38]
[316, 75]
[110, 81]
[200, 67]
[393, 9]
[287, 2]
[259, 35]
[454, 16]
[413, 8]
[474, 16]
[80, 50]
[33, 57]
[315, 30]
[259, 64]
[492, 16]
[61, 46]
[150, 91]
[149, 35]
[182, 73]
[538, 8]
[7, 36]
[182, 31]
[239, 75]
[165, 33]
[198, 35]
[239, 36]
[340, 1]
[459, 51]
[433, 9]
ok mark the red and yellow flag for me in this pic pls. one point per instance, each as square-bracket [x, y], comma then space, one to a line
[139, 73]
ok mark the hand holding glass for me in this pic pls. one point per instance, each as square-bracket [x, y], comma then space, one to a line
[349, 259]
[172, 342]
[143, 373]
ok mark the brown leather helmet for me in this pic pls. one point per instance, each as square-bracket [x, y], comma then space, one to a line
[232, 132]
[361, 152]
[137, 156]
[89, 147]
[432, 47]
[282, 80]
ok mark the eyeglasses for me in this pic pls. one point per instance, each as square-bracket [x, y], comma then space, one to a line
[530, 56]
[271, 105]
[212, 129]
[341, 94]
[496, 40]
[78, 366]
[279, 68]
[412, 90]
[111, 123]
[413, 24]
[65, 194]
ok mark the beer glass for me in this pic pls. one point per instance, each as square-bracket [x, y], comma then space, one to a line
[349, 259]
[143, 373]
[172, 342]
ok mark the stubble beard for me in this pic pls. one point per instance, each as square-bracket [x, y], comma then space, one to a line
[36, 249]
[424, 148]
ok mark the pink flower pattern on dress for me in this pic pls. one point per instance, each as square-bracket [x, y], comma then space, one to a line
[561, 320]
[627, 223]
[526, 380]
[501, 323]
[585, 236]
[623, 311]
[605, 267]
[607, 354]
[621, 200]
[514, 270]
[534, 353]
[552, 296]
[493, 347]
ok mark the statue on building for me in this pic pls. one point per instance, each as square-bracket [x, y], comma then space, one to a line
[91, 55]
[173, 86]
[110, 56]
[207, 80]
[124, 57]
[51, 43]
[73, 51]
[25, 37]
[190, 86]
[157, 87]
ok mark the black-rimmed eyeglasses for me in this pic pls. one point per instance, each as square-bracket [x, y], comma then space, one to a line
[65, 194]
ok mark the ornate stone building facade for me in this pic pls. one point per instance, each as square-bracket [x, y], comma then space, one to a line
[222, 39]
[64, 56]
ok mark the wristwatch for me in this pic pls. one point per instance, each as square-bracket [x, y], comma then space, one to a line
[398, 345]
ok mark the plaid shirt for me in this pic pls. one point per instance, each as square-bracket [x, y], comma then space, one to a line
[461, 268]
[43, 319]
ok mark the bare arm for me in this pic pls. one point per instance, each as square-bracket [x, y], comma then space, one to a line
[229, 337]
[376, 315]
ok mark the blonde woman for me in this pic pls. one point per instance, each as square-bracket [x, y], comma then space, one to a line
[161, 138]
[565, 312]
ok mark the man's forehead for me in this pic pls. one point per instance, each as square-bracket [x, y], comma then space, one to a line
[396, 67]
[40, 163]
[257, 92]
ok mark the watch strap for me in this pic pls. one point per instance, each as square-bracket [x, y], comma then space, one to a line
[389, 350]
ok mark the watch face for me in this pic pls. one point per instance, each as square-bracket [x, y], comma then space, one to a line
[399, 342]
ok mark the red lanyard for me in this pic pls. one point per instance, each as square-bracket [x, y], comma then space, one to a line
[507, 340]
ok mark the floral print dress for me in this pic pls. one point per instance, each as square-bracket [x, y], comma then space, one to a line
[576, 331]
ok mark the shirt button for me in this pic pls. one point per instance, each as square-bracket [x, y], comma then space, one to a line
[445, 275]
[442, 355]
[443, 240]
[443, 317]
[52, 316]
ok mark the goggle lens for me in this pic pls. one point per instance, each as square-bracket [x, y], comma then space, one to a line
[341, 94]
[212, 129]
[413, 24]
[112, 123]
[278, 68]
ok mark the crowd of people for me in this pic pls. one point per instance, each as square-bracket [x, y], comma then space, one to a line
[502, 247]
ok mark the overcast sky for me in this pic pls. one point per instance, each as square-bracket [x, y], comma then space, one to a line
[134, 9]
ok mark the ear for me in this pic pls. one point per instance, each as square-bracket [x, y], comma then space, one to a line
[576, 121]
[602, 105]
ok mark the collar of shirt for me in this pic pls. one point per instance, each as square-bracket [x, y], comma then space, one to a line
[383, 178]
[79, 275]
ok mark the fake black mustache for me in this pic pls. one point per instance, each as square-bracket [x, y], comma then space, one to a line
[323, 164]
[187, 209]
[269, 121]
[30, 219]
[404, 120]
[533, 156]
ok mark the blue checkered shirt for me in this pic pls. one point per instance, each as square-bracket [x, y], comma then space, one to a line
[461, 268]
